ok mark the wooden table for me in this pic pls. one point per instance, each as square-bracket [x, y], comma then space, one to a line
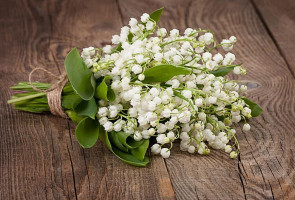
[40, 157]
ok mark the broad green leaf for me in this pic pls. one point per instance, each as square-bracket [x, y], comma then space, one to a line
[104, 91]
[128, 141]
[86, 108]
[74, 117]
[111, 94]
[224, 70]
[256, 110]
[70, 101]
[68, 89]
[115, 141]
[156, 15]
[125, 157]
[130, 159]
[87, 132]
[80, 76]
[103, 136]
[140, 152]
[163, 73]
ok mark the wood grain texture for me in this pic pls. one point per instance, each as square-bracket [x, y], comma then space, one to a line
[31, 162]
[40, 157]
[279, 19]
[266, 161]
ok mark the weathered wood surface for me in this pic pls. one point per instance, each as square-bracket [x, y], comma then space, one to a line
[40, 157]
[279, 19]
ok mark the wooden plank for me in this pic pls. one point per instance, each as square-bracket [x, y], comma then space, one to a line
[279, 18]
[32, 164]
[40, 157]
[74, 23]
[266, 160]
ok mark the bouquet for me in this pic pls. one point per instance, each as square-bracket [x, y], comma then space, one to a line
[151, 88]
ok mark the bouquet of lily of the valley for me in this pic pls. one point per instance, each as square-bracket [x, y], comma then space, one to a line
[150, 89]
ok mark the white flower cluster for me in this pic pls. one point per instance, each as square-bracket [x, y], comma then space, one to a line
[198, 108]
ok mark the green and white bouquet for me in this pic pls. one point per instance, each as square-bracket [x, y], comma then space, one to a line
[150, 89]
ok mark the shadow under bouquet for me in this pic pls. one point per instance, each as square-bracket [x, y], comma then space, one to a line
[150, 86]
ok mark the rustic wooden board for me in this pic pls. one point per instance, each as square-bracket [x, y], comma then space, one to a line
[40, 157]
[279, 19]
[43, 146]
[266, 161]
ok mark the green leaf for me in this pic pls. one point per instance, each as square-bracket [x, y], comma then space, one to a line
[87, 132]
[125, 157]
[125, 142]
[156, 15]
[104, 91]
[130, 159]
[224, 70]
[80, 76]
[68, 89]
[70, 101]
[128, 141]
[103, 136]
[163, 73]
[74, 116]
[111, 94]
[140, 152]
[115, 141]
[86, 108]
[256, 110]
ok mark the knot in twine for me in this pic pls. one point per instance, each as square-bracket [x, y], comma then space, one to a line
[54, 92]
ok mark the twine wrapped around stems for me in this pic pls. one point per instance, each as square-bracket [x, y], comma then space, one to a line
[54, 92]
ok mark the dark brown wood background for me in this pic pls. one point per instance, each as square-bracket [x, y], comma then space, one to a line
[40, 157]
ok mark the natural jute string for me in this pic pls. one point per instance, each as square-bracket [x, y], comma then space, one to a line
[54, 92]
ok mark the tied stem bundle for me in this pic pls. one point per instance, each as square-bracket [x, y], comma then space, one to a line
[54, 92]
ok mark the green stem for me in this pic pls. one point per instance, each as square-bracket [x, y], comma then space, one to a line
[26, 98]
